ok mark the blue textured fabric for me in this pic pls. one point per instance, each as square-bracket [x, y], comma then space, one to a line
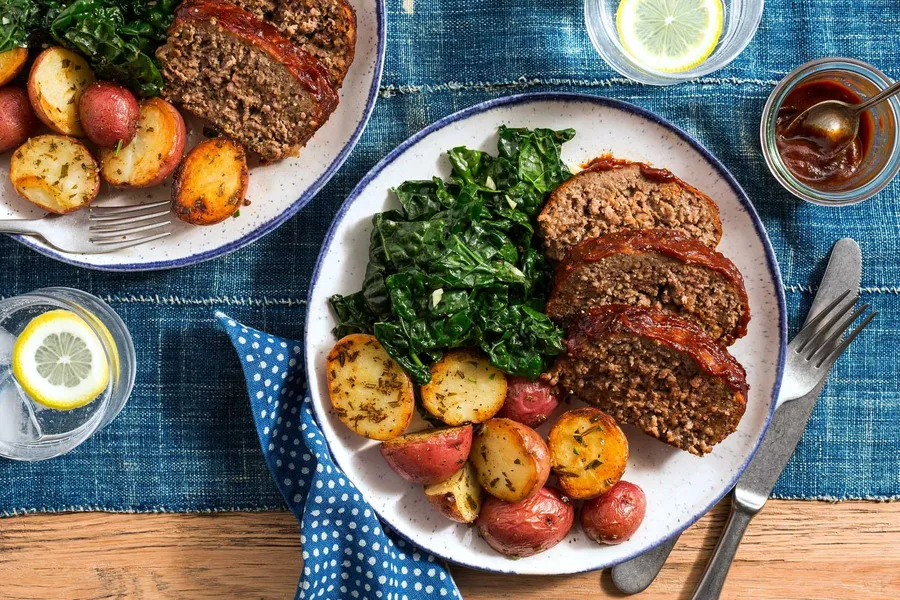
[346, 551]
[186, 439]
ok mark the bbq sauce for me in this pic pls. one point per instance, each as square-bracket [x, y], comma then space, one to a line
[802, 156]
[608, 162]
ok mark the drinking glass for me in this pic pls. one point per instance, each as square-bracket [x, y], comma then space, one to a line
[739, 25]
[30, 431]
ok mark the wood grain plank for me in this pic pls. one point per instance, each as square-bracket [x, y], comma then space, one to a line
[96, 556]
[793, 551]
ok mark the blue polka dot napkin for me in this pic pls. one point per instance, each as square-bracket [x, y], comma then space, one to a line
[347, 553]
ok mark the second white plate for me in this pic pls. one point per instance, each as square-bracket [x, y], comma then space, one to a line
[277, 191]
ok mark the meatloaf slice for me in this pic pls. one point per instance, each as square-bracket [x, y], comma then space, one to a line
[655, 371]
[611, 194]
[658, 268]
[240, 74]
[325, 29]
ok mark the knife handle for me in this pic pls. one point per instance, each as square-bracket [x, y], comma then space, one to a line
[710, 586]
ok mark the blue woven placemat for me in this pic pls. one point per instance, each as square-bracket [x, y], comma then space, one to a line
[186, 441]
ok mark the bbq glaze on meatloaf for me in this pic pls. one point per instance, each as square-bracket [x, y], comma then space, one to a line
[657, 268]
[325, 29]
[655, 371]
[245, 78]
[611, 195]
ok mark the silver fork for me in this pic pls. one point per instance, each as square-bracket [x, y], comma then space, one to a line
[97, 229]
[811, 354]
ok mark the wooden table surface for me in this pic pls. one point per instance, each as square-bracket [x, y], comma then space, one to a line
[793, 550]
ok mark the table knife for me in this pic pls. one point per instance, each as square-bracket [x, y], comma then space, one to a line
[844, 272]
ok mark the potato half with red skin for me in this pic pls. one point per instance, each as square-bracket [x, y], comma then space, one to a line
[525, 528]
[211, 182]
[512, 460]
[370, 392]
[17, 118]
[459, 497]
[154, 152]
[528, 402]
[55, 83]
[109, 114]
[588, 452]
[464, 388]
[429, 456]
[11, 64]
[55, 172]
[616, 515]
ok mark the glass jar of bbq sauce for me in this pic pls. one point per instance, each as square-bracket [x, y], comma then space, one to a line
[856, 173]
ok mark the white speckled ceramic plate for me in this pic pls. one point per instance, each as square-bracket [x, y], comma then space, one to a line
[276, 191]
[680, 487]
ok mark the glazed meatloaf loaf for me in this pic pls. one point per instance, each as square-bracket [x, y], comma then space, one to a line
[655, 371]
[325, 29]
[611, 195]
[658, 268]
[245, 78]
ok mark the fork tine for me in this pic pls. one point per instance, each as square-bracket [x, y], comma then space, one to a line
[114, 223]
[107, 235]
[102, 220]
[819, 334]
[834, 338]
[114, 247]
[829, 360]
[124, 210]
[809, 328]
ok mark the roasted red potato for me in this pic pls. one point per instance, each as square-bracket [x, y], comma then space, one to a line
[55, 84]
[511, 460]
[17, 119]
[464, 388]
[55, 172]
[154, 152]
[11, 64]
[109, 114]
[588, 452]
[616, 515]
[527, 527]
[370, 393]
[211, 183]
[429, 456]
[528, 402]
[459, 497]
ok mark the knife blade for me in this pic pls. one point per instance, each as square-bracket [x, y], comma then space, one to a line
[844, 271]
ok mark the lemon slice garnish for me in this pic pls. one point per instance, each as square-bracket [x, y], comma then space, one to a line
[669, 35]
[59, 361]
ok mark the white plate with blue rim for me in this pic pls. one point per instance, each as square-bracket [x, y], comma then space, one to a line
[680, 487]
[276, 191]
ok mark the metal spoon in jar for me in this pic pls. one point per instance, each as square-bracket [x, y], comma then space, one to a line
[832, 124]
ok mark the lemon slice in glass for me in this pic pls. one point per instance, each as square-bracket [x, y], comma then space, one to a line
[59, 361]
[669, 35]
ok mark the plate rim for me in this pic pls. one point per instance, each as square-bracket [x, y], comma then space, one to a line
[269, 226]
[524, 98]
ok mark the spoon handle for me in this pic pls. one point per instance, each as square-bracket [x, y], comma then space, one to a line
[877, 98]
[636, 575]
